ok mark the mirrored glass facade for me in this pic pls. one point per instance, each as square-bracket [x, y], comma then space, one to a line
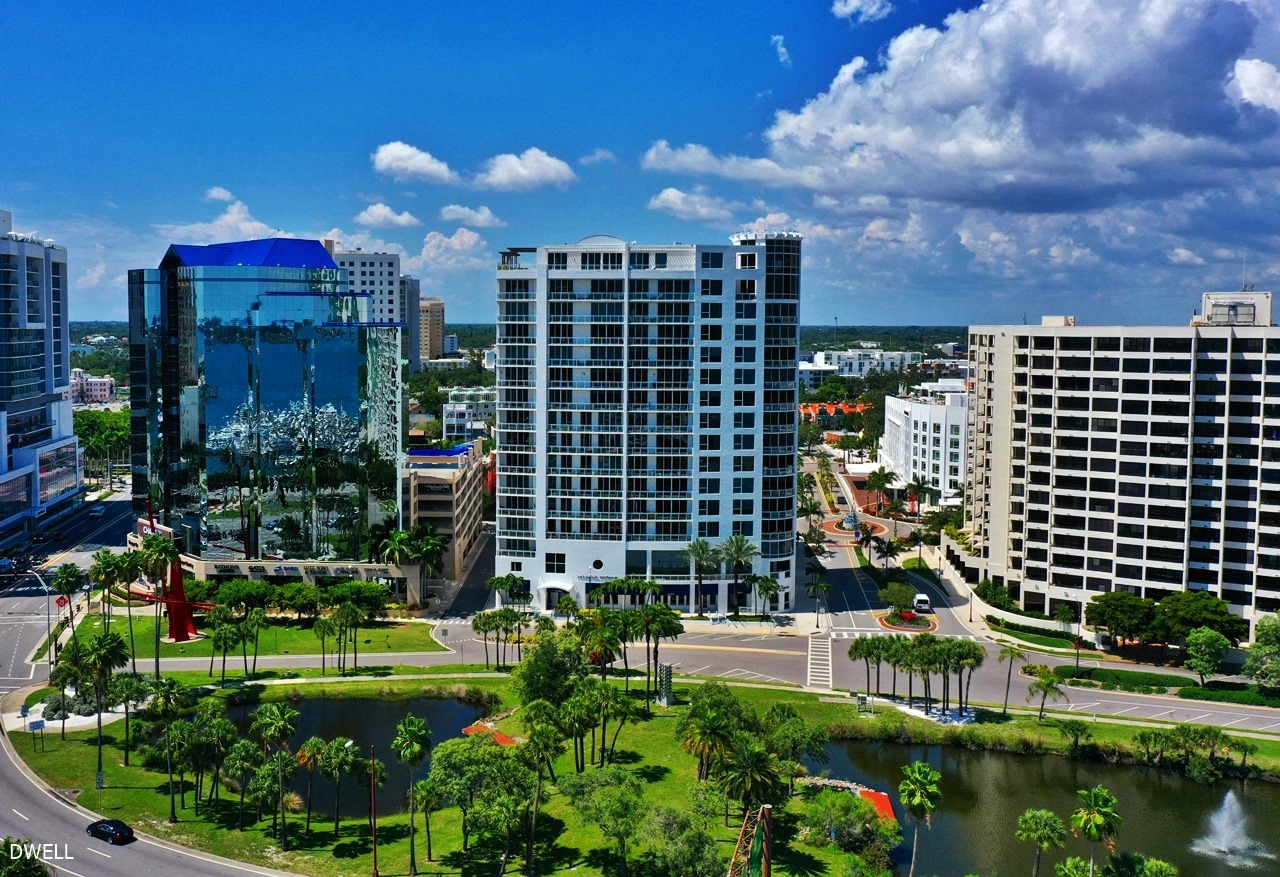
[266, 408]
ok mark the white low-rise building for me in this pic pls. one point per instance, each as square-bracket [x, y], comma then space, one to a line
[924, 438]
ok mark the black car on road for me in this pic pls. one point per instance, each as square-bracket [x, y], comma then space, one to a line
[113, 831]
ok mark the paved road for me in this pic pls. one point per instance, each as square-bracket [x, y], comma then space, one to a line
[28, 811]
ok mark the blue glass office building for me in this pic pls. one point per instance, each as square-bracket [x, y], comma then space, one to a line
[266, 406]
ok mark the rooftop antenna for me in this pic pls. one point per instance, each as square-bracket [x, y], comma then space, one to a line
[835, 332]
[1244, 264]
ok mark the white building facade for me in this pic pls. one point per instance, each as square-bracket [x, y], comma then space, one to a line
[467, 412]
[854, 363]
[647, 398]
[40, 468]
[392, 297]
[924, 438]
[1142, 458]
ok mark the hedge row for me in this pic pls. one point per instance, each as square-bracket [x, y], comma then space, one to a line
[1103, 675]
[1248, 697]
[997, 622]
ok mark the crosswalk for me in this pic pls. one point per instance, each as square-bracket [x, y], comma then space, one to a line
[819, 669]
[857, 634]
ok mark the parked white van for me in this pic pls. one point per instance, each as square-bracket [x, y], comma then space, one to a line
[921, 603]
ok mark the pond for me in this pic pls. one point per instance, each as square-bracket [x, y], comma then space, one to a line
[368, 723]
[984, 793]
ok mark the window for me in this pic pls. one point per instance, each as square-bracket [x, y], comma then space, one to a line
[708, 485]
[712, 287]
[744, 398]
[744, 485]
[744, 333]
[709, 420]
[708, 464]
[709, 442]
[713, 260]
[744, 311]
[744, 376]
[711, 332]
[709, 376]
[746, 261]
[742, 442]
[713, 310]
[743, 463]
[708, 507]
[639, 261]
[659, 260]
[710, 354]
[555, 563]
[744, 507]
[744, 354]
[709, 529]
[745, 289]
[709, 399]
[744, 420]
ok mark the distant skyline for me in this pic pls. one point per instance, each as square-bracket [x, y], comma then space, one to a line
[948, 163]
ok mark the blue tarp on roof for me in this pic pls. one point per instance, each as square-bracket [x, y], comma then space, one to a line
[271, 252]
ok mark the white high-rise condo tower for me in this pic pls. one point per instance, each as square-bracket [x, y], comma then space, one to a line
[647, 398]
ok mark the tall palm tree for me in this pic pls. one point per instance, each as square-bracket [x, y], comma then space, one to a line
[702, 556]
[274, 724]
[158, 554]
[749, 771]
[67, 581]
[879, 481]
[103, 655]
[1013, 654]
[707, 736]
[340, 757]
[349, 617]
[309, 755]
[225, 638]
[739, 553]
[482, 623]
[1096, 819]
[324, 629]
[411, 744]
[128, 690]
[809, 508]
[130, 567]
[425, 797]
[920, 490]
[243, 760]
[103, 570]
[1047, 687]
[887, 547]
[168, 698]
[921, 794]
[254, 622]
[1045, 830]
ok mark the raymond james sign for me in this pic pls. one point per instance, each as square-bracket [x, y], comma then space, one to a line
[41, 852]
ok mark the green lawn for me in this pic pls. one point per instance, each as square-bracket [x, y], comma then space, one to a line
[280, 637]
[647, 747]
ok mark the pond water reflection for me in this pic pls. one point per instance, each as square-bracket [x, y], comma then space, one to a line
[984, 793]
[368, 723]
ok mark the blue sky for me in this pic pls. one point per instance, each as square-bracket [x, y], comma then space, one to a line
[947, 163]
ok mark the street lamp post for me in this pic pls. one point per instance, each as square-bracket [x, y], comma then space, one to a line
[373, 804]
[48, 619]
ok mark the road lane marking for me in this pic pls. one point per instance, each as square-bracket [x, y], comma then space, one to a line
[1233, 721]
[98, 852]
[24, 817]
[699, 670]
[1199, 717]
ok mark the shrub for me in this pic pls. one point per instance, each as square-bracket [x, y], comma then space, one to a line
[1201, 769]
[1029, 628]
[1249, 697]
[1123, 677]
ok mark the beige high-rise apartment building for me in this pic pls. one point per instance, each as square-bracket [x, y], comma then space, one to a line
[431, 327]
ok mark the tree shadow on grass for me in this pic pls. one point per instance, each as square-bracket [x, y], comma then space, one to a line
[605, 861]
[480, 860]
[652, 773]
[548, 853]
[795, 860]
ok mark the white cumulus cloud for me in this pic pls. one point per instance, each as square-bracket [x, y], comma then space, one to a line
[779, 45]
[529, 170]
[1183, 256]
[1259, 82]
[695, 206]
[482, 217]
[597, 155]
[463, 251]
[861, 10]
[381, 216]
[404, 162]
[235, 223]
[218, 193]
